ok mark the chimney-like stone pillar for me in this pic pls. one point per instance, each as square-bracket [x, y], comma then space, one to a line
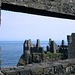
[48, 48]
[27, 49]
[30, 42]
[63, 42]
[24, 46]
[38, 44]
[49, 41]
[28, 45]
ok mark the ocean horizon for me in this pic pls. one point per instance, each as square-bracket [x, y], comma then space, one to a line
[11, 51]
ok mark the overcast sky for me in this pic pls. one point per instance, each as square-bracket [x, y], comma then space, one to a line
[21, 26]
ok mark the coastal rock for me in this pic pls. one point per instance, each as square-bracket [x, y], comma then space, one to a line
[22, 61]
[55, 68]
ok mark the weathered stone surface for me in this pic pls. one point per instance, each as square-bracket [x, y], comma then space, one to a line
[0, 58]
[30, 48]
[37, 70]
[1, 73]
[71, 44]
[24, 72]
[61, 6]
[58, 6]
[54, 8]
[0, 12]
[22, 61]
[61, 67]
[65, 6]
[53, 47]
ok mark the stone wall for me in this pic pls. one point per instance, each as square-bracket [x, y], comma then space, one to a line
[54, 8]
[53, 46]
[0, 12]
[63, 49]
[30, 48]
[60, 6]
[65, 67]
[71, 44]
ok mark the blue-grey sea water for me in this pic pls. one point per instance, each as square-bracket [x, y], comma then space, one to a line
[11, 51]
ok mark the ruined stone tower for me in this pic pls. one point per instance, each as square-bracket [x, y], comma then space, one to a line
[31, 48]
[71, 44]
[63, 42]
[53, 46]
[38, 44]
[26, 50]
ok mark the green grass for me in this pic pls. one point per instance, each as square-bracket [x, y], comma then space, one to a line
[54, 55]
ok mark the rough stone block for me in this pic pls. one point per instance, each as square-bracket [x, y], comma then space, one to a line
[47, 70]
[24, 72]
[37, 70]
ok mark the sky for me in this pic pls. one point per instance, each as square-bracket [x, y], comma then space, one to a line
[17, 26]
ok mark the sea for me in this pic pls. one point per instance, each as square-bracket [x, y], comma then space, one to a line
[11, 51]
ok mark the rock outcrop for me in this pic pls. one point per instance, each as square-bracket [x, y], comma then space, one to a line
[61, 67]
[22, 61]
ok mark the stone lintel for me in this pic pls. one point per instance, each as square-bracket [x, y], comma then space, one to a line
[54, 8]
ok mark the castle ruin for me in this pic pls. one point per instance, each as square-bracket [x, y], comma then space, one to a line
[63, 49]
[71, 45]
[31, 48]
[53, 46]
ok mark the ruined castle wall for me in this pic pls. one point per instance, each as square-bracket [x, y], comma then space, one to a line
[27, 52]
[71, 43]
[53, 47]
